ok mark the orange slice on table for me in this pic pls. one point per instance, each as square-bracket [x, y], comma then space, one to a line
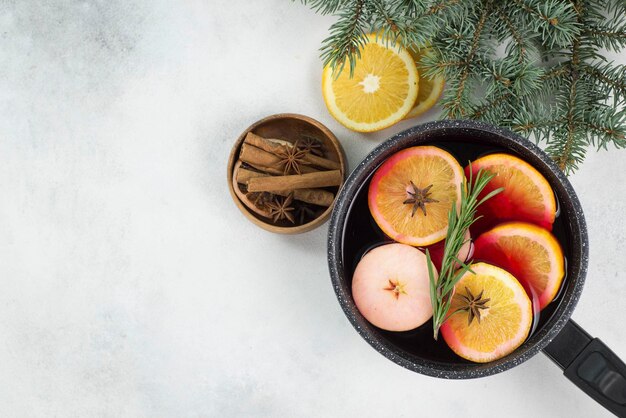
[530, 253]
[381, 91]
[395, 190]
[429, 90]
[505, 321]
[527, 195]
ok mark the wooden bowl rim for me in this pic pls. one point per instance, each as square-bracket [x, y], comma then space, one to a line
[298, 229]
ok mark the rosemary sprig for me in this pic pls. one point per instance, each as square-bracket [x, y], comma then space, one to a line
[458, 224]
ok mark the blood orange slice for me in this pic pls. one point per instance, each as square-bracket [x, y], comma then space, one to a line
[412, 192]
[493, 318]
[528, 252]
[527, 195]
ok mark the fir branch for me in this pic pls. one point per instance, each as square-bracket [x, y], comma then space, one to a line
[556, 71]
[393, 27]
[565, 156]
[552, 82]
[537, 120]
[534, 126]
[616, 7]
[554, 78]
[609, 79]
[517, 37]
[410, 8]
[490, 105]
[446, 64]
[528, 82]
[566, 151]
[454, 107]
[443, 5]
[611, 37]
[555, 19]
[349, 30]
[388, 23]
[609, 134]
[607, 127]
[603, 32]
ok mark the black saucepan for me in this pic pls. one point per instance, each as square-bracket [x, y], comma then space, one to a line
[586, 361]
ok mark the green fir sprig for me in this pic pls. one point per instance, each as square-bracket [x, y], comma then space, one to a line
[534, 66]
[452, 269]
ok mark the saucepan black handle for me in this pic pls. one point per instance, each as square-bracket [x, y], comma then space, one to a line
[591, 365]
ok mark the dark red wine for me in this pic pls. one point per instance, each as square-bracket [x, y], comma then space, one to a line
[361, 234]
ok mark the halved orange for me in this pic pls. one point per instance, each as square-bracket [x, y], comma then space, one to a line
[505, 315]
[381, 91]
[412, 192]
[530, 253]
[527, 195]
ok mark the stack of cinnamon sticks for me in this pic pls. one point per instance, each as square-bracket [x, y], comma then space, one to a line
[287, 182]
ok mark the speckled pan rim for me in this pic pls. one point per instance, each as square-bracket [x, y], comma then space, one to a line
[418, 135]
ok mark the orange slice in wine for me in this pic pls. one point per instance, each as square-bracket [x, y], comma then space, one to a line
[412, 192]
[503, 320]
[530, 253]
[527, 195]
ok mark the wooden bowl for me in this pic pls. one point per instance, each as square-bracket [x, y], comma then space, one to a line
[287, 126]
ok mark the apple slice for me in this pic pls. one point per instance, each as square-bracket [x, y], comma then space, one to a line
[391, 287]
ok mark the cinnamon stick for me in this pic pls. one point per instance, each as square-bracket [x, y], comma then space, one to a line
[243, 196]
[266, 161]
[243, 175]
[303, 181]
[318, 197]
[263, 143]
[269, 170]
[321, 162]
[274, 146]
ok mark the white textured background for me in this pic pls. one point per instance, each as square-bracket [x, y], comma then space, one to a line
[131, 286]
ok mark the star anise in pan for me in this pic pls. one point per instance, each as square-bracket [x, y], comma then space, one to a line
[473, 305]
[419, 198]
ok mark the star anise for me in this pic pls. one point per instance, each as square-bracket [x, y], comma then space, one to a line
[291, 158]
[312, 145]
[280, 208]
[473, 305]
[419, 198]
[396, 287]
